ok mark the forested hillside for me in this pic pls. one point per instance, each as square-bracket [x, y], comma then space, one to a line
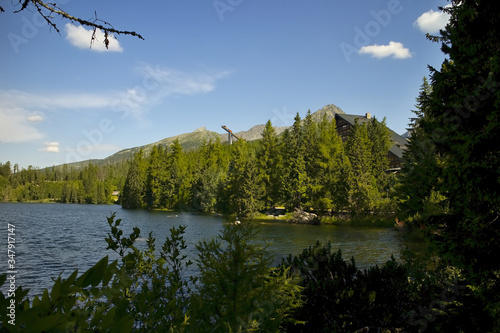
[92, 184]
[306, 167]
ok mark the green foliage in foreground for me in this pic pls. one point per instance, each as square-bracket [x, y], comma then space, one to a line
[147, 289]
[451, 177]
[414, 296]
[236, 289]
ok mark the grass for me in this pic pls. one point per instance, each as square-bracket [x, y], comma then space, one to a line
[383, 221]
[269, 218]
[375, 220]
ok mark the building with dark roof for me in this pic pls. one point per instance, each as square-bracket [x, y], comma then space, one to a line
[395, 154]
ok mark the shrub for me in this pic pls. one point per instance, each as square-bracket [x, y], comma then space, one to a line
[340, 298]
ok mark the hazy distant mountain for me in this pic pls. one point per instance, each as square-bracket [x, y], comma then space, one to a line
[330, 111]
[188, 141]
[196, 138]
[253, 133]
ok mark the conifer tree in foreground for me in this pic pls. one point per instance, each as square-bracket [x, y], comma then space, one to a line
[461, 119]
[420, 178]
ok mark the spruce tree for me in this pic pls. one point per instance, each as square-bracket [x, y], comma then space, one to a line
[178, 180]
[380, 138]
[311, 154]
[420, 178]
[242, 191]
[155, 177]
[331, 191]
[210, 175]
[294, 169]
[462, 118]
[362, 185]
[133, 190]
[237, 290]
[267, 160]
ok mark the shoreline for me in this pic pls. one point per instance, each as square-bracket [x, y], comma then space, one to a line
[344, 218]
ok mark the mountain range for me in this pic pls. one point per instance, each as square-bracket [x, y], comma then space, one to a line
[196, 138]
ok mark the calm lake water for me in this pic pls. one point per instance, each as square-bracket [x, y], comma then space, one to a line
[58, 238]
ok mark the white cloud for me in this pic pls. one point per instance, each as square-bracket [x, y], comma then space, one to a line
[167, 81]
[15, 126]
[26, 100]
[51, 147]
[35, 117]
[20, 110]
[81, 38]
[158, 83]
[432, 21]
[394, 49]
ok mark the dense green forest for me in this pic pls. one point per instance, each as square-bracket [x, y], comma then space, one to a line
[306, 167]
[448, 188]
[92, 184]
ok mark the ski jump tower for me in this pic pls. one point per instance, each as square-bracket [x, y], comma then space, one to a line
[230, 135]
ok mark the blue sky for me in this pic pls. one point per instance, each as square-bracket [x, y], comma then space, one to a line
[204, 63]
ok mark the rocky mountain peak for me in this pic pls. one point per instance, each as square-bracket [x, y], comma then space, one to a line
[201, 129]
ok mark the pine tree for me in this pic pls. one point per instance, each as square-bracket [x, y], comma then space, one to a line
[5, 169]
[380, 138]
[89, 180]
[155, 177]
[420, 177]
[294, 178]
[238, 291]
[311, 154]
[210, 175]
[267, 159]
[134, 188]
[242, 190]
[362, 186]
[178, 182]
[331, 191]
[461, 120]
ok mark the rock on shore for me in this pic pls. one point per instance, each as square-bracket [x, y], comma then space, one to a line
[301, 217]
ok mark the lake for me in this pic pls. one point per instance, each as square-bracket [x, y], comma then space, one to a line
[59, 238]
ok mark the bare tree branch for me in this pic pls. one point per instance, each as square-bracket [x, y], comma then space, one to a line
[56, 10]
[25, 4]
[96, 23]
